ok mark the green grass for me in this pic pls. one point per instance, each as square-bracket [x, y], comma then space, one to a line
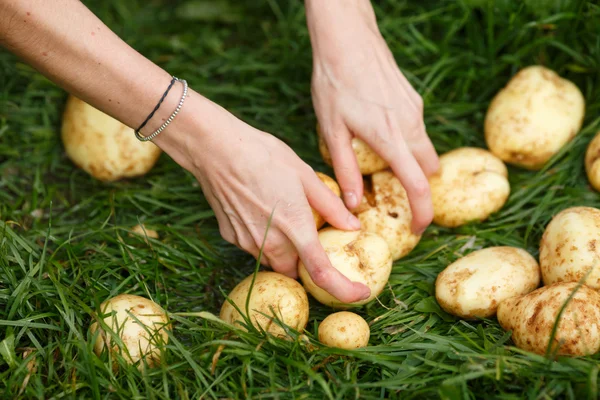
[64, 246]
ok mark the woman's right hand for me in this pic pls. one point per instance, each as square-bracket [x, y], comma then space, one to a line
[246, 174]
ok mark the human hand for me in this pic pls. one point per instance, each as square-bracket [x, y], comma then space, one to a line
[358, 90]
[245, 174]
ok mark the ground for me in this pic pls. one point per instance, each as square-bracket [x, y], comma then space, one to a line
[64, 245]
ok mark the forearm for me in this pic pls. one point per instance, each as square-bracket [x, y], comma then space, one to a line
[67, 43]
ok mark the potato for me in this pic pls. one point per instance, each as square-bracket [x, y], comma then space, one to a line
[386, 211]
[570, 245]
[335, 188]
[275, 298]
[344, 330]
[359, 255]
[533, 117]
[141, 340]
[474, 285]
[102, 146]
[592, 162]
[369, 162]
[531, 319]
[470, 185]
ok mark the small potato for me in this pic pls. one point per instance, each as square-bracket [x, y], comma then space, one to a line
[141, 339]
[272, 293]
[369, 162]
[533, 117]
[532, 317]
[386, 211]
[470, 185]
[344, 330]
[474, 285]
[361, 256]
[335, 188]
[102, 146]
[570, 247]
[592, 162]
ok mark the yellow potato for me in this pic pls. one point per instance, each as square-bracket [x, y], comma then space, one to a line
[385, 210]
[531, 319]
[592, 162]
[470, 185]
[102, 146]
[474, 285]
[533, 117]
[275, 298]
[369, 162]
[345, 330]
[570, 246]
[361, 256]
[335, 188]
[138, 343]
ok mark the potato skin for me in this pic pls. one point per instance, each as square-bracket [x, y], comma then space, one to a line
[532, 317]
[570, 247]
[335, 188]
[369, 162]
[533, 117]
[386, 212]
[470, 185]
[361, 256]
[102, 146]
[474, 285]
[592, 162]
[138, 342]
[344, 330]
[271, 290]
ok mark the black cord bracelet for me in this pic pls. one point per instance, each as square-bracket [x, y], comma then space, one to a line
[157, 106]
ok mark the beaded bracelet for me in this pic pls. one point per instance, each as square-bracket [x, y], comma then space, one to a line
[142, 138]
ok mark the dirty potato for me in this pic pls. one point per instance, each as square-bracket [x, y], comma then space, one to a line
[102, 146]
[470, 185]
[345, 330]
[533, 117]
[532, 317]
[474, 285]
[274, 298]
[570, 247]
[361, 256]
[369, 162]
[592, 162]
[385, 210]
[335, 188]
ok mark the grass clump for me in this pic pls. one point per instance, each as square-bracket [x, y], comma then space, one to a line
[64, 243]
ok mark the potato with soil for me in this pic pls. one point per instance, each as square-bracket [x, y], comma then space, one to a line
[102, 146]
[275, 299]
[570, 247]
[531, 319]
[470, 185]
[335, 188]
[592, 162]
[533, 117]
[369, 162]
[385, 210]
[361, 256]
[141, 340]
[474, 285]
[344, 330]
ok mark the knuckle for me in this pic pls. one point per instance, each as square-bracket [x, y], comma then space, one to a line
[419, 103]
[320, 276]
[420, 188]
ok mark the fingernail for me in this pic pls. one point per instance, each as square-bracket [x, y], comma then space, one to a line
[353, 221]
[350, 200]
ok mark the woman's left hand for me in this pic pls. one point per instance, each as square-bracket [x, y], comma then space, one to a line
[358, 90]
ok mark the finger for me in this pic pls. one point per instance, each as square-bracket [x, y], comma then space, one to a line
[345, 165]
[328, 205]
[407, 169]
[318, 266]
[281, 253]
[425, 154]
